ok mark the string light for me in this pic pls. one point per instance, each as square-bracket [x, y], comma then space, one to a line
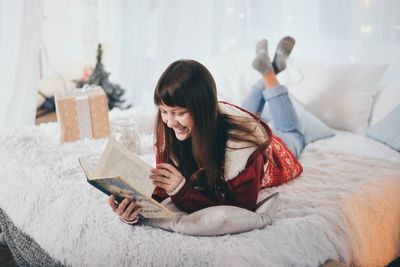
[229, 10]
[232, 41]
[366, 29]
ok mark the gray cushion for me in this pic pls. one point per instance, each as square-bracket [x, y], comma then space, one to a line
[387, 131]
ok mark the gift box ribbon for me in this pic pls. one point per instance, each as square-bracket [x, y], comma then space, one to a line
[84, 120]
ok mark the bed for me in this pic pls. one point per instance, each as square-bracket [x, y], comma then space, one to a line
[345, 206]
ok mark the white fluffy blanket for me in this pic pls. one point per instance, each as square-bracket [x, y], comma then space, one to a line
[344, 207]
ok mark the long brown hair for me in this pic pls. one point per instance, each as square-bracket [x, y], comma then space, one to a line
[188, 84]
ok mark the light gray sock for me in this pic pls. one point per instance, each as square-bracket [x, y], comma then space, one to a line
[262, 63]
[285, 47]
[262, 46]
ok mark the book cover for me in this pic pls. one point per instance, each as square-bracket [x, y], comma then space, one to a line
[125, 175]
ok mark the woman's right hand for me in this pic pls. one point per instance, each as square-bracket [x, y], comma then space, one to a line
[127, 209]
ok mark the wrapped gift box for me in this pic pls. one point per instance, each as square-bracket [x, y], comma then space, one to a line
[82, 113]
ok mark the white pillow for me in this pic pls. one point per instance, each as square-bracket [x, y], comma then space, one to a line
[233, 75]
[386, 100]
[218, 220]
[341, 95]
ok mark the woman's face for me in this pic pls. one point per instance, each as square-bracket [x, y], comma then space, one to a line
[178, 119]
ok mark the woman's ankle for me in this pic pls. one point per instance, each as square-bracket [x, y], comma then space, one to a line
[270, 80]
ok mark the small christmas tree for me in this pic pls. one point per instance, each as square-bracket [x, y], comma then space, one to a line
[99, 77]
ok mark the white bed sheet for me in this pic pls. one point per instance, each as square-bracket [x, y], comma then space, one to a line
[357, 144]
[345, 206]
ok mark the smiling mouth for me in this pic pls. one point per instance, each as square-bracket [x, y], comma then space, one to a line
[180, 130]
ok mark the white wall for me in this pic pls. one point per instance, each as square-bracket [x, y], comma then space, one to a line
[141, 37]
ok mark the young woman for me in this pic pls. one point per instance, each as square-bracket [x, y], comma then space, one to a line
[212, 153]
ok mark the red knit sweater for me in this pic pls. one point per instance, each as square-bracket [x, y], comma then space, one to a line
[255, 173]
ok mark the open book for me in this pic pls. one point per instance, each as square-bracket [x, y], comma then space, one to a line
[124, 175]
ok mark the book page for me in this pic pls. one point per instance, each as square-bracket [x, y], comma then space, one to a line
[119, 161]
[88, 168]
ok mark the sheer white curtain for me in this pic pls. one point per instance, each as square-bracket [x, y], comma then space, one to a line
[20, 30]
[140, 38]
[155, 33]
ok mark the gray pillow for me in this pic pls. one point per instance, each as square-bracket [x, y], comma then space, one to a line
[218, 220]
[387, 131]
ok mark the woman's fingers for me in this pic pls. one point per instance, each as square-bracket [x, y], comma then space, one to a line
[134, 214]
[122, 206]
[162, 185]
[168, 167]
[111, 201]
[166, 176]
[160, 179]
[128, 210]
[161, 172]
[162, 182]
[131, 213]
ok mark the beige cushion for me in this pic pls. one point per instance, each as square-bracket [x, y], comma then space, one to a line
[218, 220]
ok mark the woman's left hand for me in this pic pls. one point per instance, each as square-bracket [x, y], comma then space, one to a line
[166, 176]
